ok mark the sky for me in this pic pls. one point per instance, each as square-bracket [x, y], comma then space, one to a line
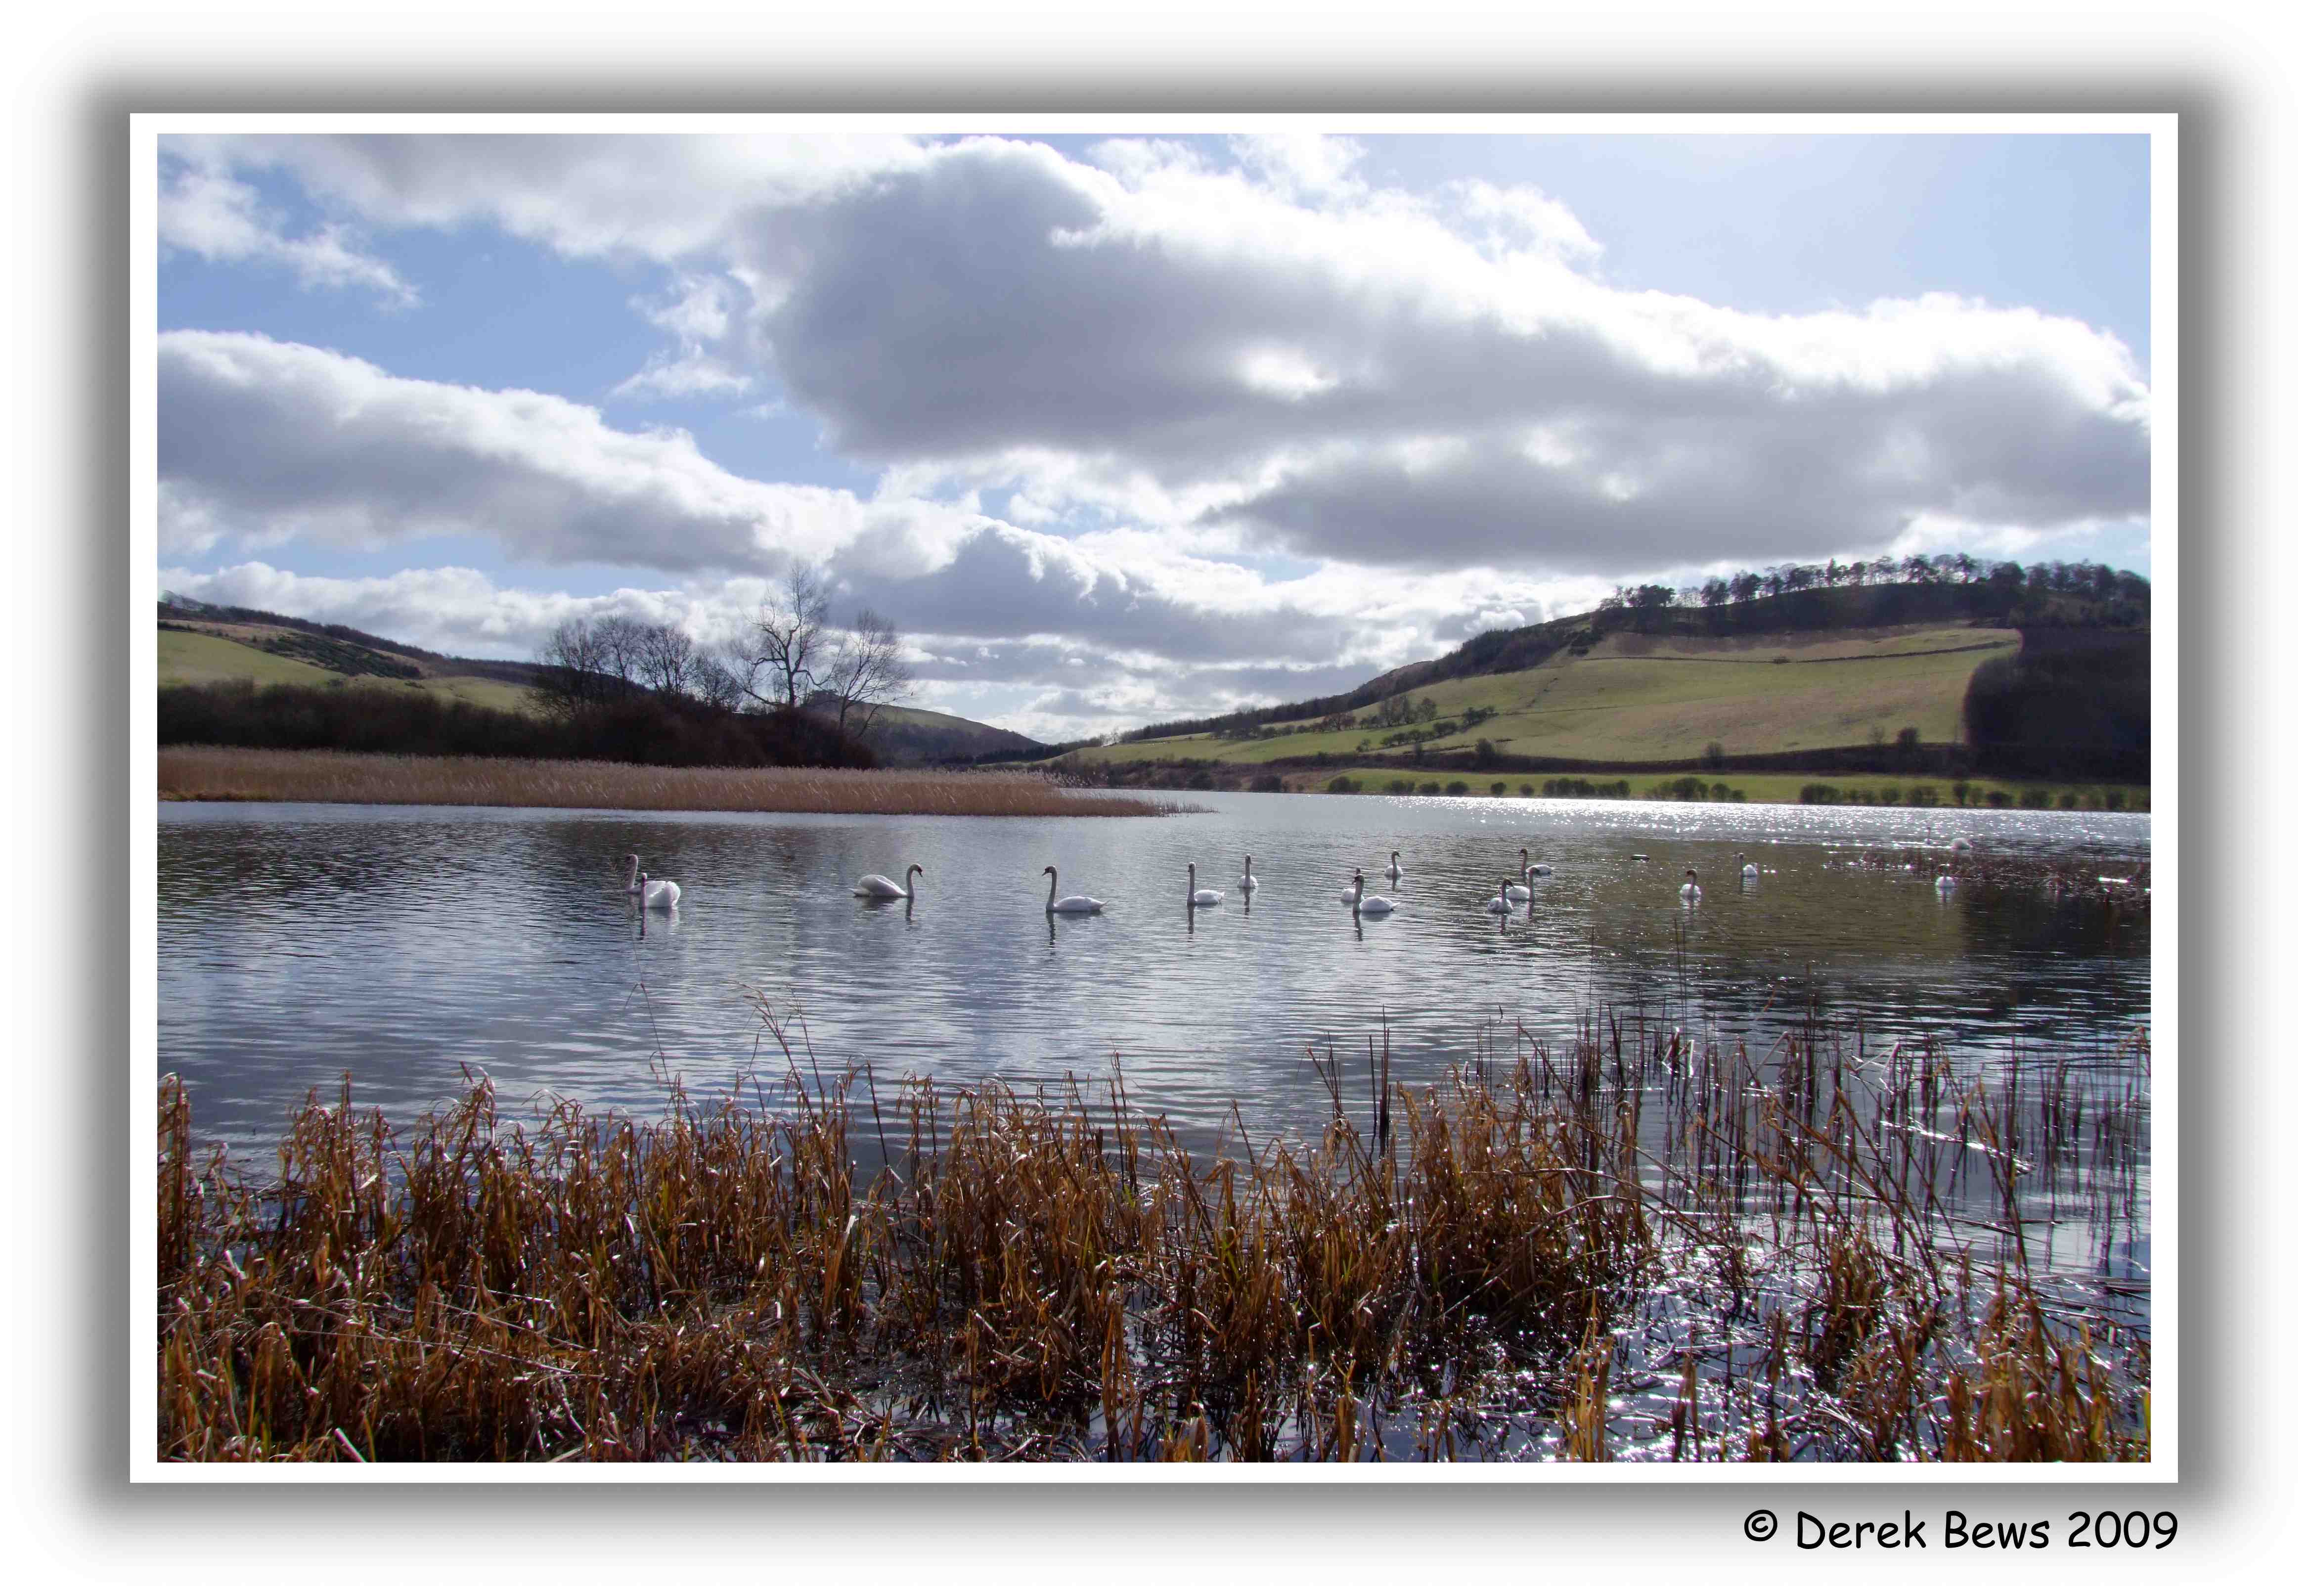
[1121, 428]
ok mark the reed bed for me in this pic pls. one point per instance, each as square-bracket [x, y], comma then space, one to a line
[1637, 1245]
[327, 777]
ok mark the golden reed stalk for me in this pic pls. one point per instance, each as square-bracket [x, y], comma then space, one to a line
[253, 775]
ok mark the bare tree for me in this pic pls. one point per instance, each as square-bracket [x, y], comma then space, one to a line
[666, 661]
[713, 682]
[575, 667]
[867, 671]
[789, 640]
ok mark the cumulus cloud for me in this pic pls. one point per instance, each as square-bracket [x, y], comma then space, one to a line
[697, 313]
[1267, 343]
[1174, 365]
[214, 215]
[265, 442]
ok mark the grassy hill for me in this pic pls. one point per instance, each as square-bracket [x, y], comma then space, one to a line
[198, 653]
[1646, 699]
[2036, 674]
[903, 735]
[207, 645]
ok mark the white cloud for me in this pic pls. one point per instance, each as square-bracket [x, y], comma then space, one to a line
[1275, 347]
[268, 442]
[212, 214]
[697, 312]
[1174, 365]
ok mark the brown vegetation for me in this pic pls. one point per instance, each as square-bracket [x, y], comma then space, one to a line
[315, 776]
[1638, 1246]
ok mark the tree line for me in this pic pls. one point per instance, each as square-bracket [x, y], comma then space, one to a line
[2078, 579]
[793, 689]
[791, 657]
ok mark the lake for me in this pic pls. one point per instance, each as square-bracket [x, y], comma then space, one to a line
[404, 945]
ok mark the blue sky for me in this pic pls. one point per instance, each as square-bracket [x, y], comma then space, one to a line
[1118, 429]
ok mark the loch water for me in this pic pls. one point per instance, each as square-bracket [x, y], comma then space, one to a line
[407, 947]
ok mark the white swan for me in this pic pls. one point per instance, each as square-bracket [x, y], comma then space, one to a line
[1946, 883]
[1503, 902]
[1394, 867]
[1690, 886]
[1370, 905]
[1248, 882]
[1074, 905]
[1209, 897]
[881, 886]
[1521, 891]
[1963, 844]
[1542, 869]
[1748, 871]
[653, 894]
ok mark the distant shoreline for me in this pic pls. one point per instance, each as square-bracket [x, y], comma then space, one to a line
[199, 773]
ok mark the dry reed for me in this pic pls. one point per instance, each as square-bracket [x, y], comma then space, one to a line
[325, 777]
[1639, 1245]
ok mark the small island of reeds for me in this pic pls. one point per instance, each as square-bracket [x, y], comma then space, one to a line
[327, 776]
[1635, 1245]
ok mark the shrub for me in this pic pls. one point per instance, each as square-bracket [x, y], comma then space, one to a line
[1429, 789]
[2114, 798]
[1456, 790]
[1268, 782]
[1997, 799]
[1498, 790]
[1343, 784]
[1399, 785]
[1720, 792]
[2035, 798]
[1818, 792]
[1921, 797]
[1714, 757]
[1526, 792]
[2067, 800]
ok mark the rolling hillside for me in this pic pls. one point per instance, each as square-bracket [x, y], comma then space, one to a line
[200, 645]
[1650, 699]
[197, 653]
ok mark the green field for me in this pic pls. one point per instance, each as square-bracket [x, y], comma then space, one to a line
[196, 659]
[1642, 698]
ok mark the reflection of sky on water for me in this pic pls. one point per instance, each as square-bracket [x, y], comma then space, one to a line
[399, 945]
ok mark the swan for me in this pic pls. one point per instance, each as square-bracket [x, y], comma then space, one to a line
[881, 886]
[1542, 869]
[653, 894]
[1394, 867]
[1690, 886]
[1503, 902]
[1946, 883]
[1208, 897]
[1747, 872]
[1963, 844]
[1370, 905]
[1074, 905]
[1248, 882]
[1521, 891]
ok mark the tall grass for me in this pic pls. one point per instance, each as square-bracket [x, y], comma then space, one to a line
[325, 777]
[1639, 1245]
